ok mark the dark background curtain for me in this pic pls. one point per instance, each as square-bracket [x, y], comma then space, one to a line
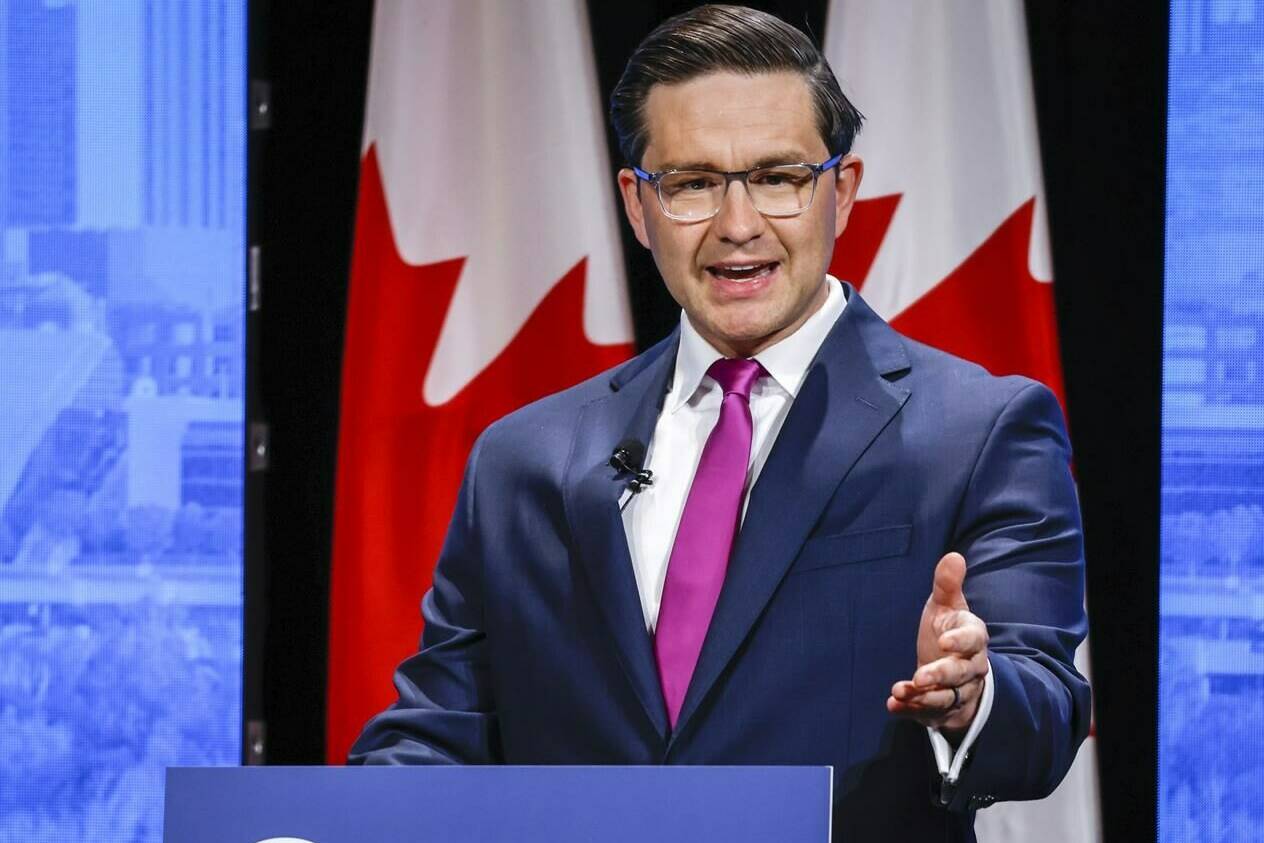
[1100, 76]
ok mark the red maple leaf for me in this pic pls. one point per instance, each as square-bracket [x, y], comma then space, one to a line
[400, 460]
[989, 309]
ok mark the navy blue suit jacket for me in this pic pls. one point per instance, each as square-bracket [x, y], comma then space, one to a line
[535, 649]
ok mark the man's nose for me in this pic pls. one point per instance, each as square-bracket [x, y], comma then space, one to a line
[737, 220]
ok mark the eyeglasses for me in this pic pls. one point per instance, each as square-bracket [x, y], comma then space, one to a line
[783, 190]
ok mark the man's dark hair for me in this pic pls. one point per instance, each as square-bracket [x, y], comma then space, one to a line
[736, 39]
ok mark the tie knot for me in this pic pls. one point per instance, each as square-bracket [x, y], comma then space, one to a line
[735, 375]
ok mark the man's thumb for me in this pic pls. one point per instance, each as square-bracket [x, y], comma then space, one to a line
[950, 575]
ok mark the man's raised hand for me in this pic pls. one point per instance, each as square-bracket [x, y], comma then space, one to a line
[952, 651]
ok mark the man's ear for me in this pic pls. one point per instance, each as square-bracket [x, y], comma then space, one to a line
[846, 185]
[630, 190]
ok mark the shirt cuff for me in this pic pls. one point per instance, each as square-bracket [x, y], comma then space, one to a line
[950, 764]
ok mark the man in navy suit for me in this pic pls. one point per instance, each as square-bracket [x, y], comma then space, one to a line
[853, 550]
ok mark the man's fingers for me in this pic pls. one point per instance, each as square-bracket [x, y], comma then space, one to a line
[964, 634]
[937, 707]
[950, 576]
[906, 698]
[937, 697]
[939, 700]
[950, 671]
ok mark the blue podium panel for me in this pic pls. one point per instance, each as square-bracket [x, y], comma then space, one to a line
[479, 804]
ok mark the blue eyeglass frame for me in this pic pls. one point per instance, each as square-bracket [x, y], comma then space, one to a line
[736, 175]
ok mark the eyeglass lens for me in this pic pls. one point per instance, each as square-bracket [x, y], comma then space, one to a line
[776, 191]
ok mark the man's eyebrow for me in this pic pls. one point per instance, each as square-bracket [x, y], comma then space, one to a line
[784, 157]
[687, 165]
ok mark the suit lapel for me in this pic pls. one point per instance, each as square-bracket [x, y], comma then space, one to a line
[592, 491]
[844, 403]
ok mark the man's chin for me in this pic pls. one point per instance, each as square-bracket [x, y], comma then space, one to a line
[740, 338]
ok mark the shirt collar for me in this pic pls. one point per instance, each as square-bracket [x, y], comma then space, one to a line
[786, 361]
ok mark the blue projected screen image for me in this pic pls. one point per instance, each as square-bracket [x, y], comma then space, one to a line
[1211, 614]
[122, 242]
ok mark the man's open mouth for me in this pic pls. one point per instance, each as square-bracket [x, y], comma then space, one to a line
[742, 273]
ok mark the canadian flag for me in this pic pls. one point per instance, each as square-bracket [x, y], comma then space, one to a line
[486, 273]
[949, 240]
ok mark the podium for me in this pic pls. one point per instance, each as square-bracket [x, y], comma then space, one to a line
[483, 804]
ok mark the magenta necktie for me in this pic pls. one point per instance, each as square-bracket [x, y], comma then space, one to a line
[700, 556]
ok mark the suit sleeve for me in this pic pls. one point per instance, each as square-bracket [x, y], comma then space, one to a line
[1019, 529]
[445, 713]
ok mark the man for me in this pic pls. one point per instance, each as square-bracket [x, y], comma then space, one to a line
[851, 549]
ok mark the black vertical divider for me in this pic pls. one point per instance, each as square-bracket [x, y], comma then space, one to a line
[1101, 83]
[305, 170]
[254, 586]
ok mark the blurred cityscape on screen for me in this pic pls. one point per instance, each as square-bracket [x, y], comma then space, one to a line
[1211, 747]
[122, 278]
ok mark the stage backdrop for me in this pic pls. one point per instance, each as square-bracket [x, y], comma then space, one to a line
[122, 188]
[1211, 612]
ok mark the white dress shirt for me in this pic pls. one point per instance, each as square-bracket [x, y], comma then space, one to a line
[650, 518]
